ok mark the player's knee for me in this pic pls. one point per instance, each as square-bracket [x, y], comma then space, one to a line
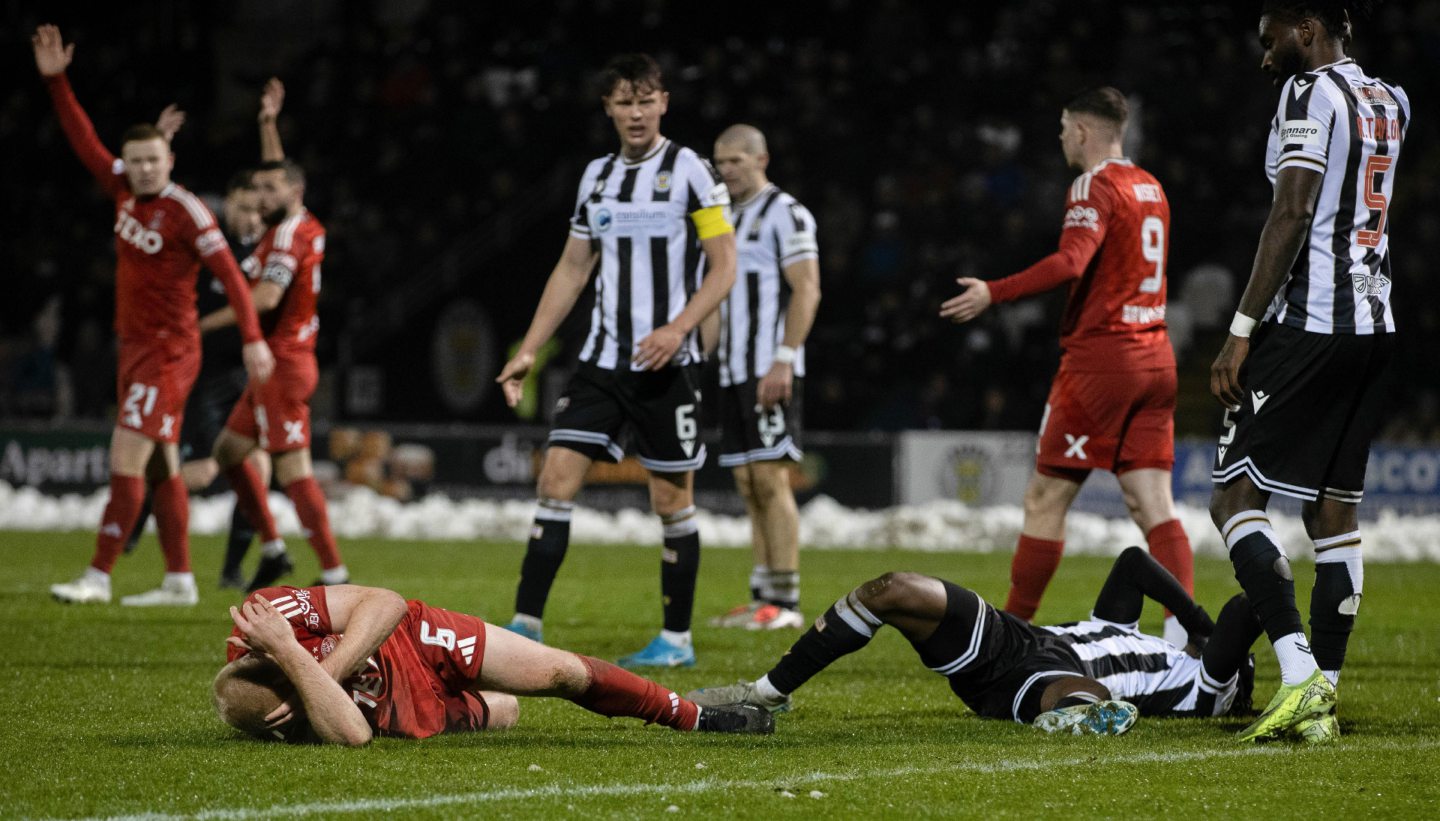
[744, 485]
[1131, 556]
[770, 485]
[504, 711]
[1322, 519]
[891, 592]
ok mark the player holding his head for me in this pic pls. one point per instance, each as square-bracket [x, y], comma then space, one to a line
[1092, 676]
[650, 219]
[1112, 404]
[1302, 374]
[163, 234]
[763, 326]
[275, 417]
[339, 665]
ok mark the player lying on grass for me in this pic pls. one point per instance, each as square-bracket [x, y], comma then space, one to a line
[1092, 676]
[341, 664]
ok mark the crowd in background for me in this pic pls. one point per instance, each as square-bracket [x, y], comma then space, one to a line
[443, 141]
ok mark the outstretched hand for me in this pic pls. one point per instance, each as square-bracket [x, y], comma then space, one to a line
[272, 99]
[170, 121]
[512, 377]
[52, 56]
[970, 303]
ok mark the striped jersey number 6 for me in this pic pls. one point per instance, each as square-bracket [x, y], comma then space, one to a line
[1152, 248]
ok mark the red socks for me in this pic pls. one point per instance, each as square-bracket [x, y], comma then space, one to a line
[1170, 547]
[127, 495]
[172, 519]
[309, 502]
[250, 497]
[616, 692]
[1030, 571]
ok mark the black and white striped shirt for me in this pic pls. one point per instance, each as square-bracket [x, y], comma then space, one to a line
[1348, 126]
[636, 213]
[772, 231]
[1147, 671]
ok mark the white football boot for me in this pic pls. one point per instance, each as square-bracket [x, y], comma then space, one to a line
[173, 592]
[91, 587]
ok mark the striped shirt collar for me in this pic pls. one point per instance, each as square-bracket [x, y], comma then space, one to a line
[754, 198]
[660, 146]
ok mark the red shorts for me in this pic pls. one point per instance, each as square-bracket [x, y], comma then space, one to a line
[1114, 421]
[153, 382]
[451, 645]
[276, 413]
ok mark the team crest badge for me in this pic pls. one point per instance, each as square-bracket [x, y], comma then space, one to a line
[662, 181]
[562, 404]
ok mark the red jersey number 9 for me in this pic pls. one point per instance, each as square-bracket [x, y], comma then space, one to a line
[1152, 248]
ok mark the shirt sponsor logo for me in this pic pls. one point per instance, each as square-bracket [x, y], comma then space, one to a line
[1142, 314]
[210, 242]
[1370, 284]
[1147, 192]
[1299, 132]
[603, 220]
[1082, 216]
[1375, 95]
[719, 195]
[132, 231]
[799, 243]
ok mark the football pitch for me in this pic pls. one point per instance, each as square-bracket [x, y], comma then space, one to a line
[109, 708]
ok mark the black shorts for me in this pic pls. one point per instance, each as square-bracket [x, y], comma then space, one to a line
[657, 412]
[751, 435]
[997, 664]
[211, 400]
[1313, 403]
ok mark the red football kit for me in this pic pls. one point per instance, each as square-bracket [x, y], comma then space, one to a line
[277, 413]
[160, 243]
[417, 684]
[1112, 403]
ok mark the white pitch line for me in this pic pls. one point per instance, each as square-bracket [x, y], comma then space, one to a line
[708, 784]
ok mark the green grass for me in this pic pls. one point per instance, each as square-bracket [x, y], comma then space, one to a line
[108, 709]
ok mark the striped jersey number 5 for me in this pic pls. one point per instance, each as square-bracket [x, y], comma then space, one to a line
[1374, 189]
[1152, 248]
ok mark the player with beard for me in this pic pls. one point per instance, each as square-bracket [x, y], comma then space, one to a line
[276, 417]
[1303, 373]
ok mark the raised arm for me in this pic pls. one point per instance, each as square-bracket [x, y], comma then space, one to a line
[272, 99]
[52, 57]
[567, 281]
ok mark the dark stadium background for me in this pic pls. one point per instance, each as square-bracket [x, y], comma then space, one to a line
[443, 142]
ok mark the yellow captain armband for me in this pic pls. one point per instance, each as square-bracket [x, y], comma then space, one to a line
[711, 222]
